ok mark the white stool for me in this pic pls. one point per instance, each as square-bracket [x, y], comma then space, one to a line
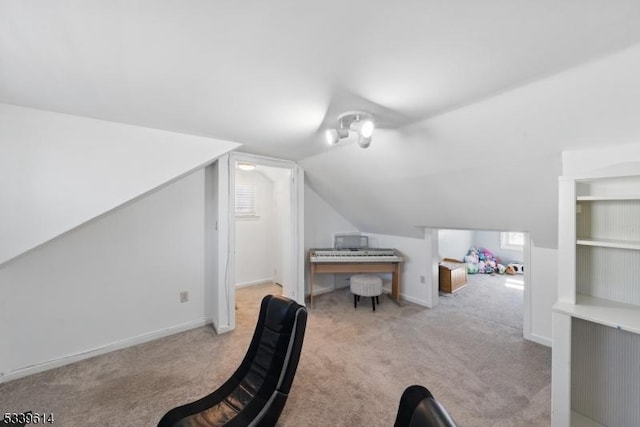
[365, 285]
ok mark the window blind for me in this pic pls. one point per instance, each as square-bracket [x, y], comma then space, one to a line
[246, 200]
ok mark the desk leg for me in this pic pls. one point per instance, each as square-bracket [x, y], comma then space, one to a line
[395, 283]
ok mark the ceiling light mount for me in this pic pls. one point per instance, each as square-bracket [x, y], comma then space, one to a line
[245, 166]
[357, 121]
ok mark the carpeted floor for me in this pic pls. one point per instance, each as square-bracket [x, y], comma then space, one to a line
[355, 364]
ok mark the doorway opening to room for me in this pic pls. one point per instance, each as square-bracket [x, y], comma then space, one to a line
[261, 212]
[265, 240]
[486, 274]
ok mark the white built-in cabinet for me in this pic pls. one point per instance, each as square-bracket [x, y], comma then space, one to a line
[596, 320]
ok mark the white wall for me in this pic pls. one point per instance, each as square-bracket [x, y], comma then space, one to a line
[321, 222]
[491, 240]
[59, 171]
[454, 243]
[110, 283]
[619, 158]
[542, 282]
[419, 259]
[256, 237]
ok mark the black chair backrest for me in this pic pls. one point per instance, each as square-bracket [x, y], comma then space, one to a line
[257, 391]
[274, 352]
[418, 408]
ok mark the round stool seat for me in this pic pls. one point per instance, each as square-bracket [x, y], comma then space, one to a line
[366, 285]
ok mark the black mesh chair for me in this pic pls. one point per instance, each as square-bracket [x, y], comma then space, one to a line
[257, 391]
[418, 408]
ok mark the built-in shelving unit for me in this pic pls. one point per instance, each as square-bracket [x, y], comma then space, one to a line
[596, 320]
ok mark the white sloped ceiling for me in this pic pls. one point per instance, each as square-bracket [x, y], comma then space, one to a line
[492, 165]
[274, 75]
[59, 171]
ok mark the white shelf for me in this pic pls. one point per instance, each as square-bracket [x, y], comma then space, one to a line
[605, 312]
[605, 198]
[609, 243]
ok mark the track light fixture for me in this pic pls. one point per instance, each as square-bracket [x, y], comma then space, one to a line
[357, 121]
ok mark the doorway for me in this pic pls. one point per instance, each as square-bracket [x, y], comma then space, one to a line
[250, 256]
[262, 211]
[492, 290]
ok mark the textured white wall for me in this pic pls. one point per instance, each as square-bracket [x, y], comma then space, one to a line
[543, 283]
[256, 237]
[418, 259]
[110, 283]
[619, 158]
[454, 243]
[491, 241]
[321, 222]
[59, 171]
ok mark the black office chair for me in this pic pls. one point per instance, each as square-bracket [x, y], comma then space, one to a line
[418, 408]
[257, 391]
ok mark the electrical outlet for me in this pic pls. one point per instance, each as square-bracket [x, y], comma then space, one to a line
[184, 296]
[422, 279]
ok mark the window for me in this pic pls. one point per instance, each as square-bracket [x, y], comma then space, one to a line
[246, 195]
[512, 241]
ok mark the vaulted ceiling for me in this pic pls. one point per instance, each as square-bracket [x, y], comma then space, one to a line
[273, 75]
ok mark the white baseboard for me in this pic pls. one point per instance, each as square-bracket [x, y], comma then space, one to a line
[320, 290]
[118, 345]
[538, 339]
[221, 329]
[414, 300]
[255, 282]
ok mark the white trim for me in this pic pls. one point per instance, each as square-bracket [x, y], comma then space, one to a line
[222, 329]
[223, 319]
[323, 290]
[538, 339]
[297, 249]
[417, 301]
[527, 306]
[117, 345]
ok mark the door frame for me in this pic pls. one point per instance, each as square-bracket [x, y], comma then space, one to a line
[295, 273]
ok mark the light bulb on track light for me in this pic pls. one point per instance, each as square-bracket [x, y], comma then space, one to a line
[366, 128]
[332, 136]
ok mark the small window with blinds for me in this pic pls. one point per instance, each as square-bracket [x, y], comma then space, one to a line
[246, 201]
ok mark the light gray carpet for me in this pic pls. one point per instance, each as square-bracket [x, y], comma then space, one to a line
[354, 366]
